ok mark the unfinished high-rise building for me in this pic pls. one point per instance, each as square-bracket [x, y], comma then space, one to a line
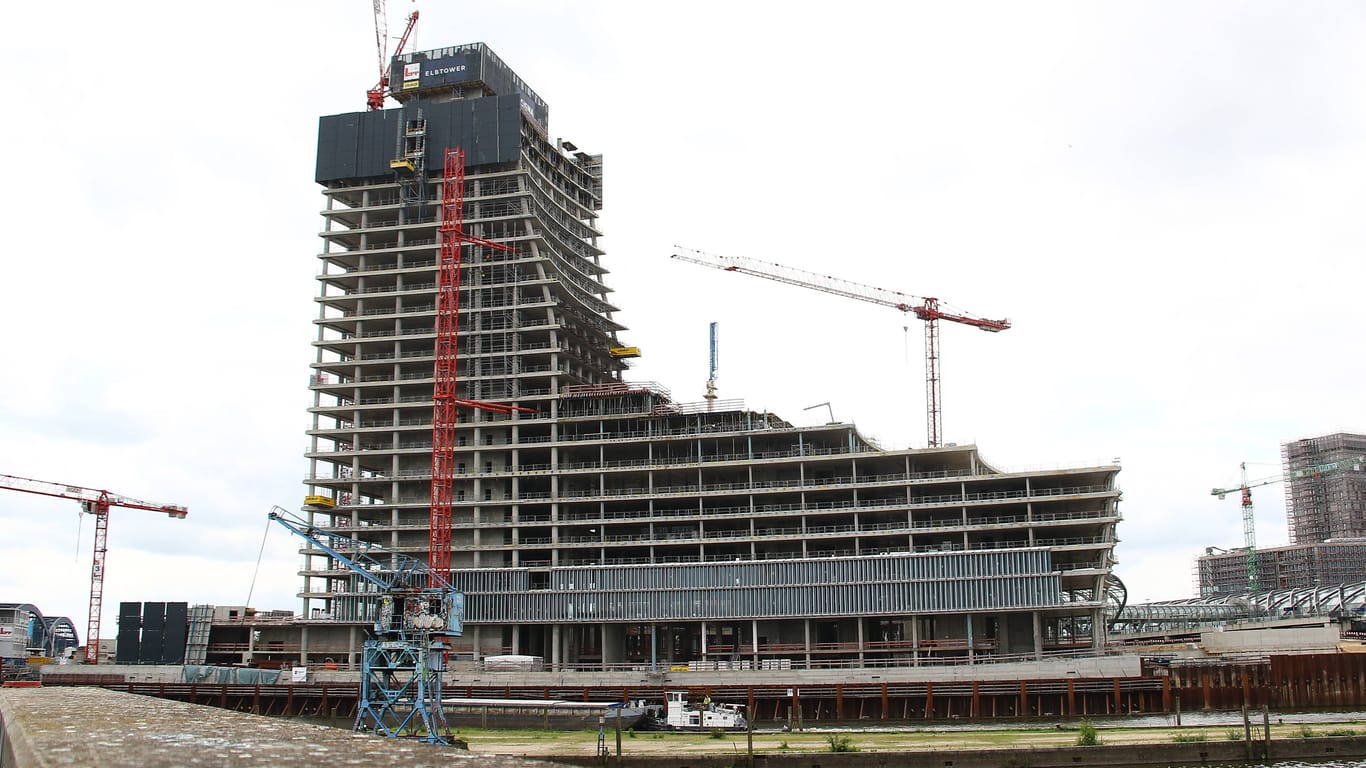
[598, 521]
[1325, 507]
[1325, 488]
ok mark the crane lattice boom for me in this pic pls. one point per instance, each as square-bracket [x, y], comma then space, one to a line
[1244, 490]
[86, 495]
[97, 503]
[374, 98]
[928, 309]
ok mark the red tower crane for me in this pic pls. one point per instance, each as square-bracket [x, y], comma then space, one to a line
[925, 308]
[96, 503]
[444, 394]
[374, 98]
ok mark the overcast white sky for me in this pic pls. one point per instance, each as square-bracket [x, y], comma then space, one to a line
[1164, 197]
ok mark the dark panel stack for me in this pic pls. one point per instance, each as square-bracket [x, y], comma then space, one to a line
[174, 635]
[130, 622]
[153, 626]
[361, 144]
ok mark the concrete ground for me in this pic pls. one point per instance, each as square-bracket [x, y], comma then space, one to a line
[78, 726]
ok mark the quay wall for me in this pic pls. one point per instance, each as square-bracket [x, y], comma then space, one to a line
[42, 727]
[1283, 682]
[1112, 756]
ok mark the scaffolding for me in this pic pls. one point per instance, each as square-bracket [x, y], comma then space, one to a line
[1221, 573]
[1325, 490]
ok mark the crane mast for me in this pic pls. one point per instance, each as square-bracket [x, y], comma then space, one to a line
[445, 402]
[711, 369]
[927, 309]
[1244, 490]
[97, 503]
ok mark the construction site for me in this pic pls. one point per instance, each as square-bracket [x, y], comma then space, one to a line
[472, 411]
[493, 507]
[1324, 481]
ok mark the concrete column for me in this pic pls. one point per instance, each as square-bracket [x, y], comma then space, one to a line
[612, 644]
[1038, 635]
[806, 640]
[859, 622]
[516, 638]
[556, 642]
[915, 639]
[704, 639]
[754, 639]
[972, 654]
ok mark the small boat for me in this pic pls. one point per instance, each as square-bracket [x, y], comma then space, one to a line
[709, 715]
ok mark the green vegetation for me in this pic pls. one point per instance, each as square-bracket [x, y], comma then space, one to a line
[1340, 732]
[784, 745]
[1305, 732]
[716, 733]
[1087, 735]
[1185, 736]
[840, 742]
[1234, 734]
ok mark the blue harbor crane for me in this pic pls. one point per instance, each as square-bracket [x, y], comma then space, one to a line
[414, 610]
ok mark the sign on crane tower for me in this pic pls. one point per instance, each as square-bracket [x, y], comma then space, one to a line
[926, 308]
[96, 503]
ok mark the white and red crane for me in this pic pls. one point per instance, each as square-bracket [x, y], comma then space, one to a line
[374, 98]
[926, 308]
[97, 503]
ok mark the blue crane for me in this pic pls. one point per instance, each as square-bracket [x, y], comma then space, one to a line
[414, 611]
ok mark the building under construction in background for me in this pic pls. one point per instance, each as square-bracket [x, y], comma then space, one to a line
[597, 522]
[1325, 506]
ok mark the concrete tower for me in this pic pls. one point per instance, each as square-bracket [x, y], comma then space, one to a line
[607, 524]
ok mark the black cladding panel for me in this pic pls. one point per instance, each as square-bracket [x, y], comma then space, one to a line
[150, 652]
[174, 635]
[359, 145]
[128, 649]
[130, 617]
[153, 616]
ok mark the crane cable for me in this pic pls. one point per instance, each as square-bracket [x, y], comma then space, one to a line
[256, 572]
